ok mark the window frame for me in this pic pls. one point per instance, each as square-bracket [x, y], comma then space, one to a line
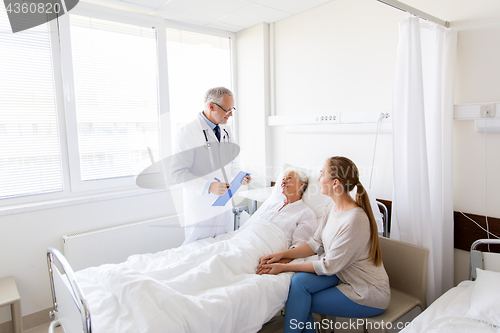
[73, 188]
[76, 184]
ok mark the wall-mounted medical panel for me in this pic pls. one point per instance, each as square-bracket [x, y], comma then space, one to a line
[339, 122]
[305, 119]
[341, 128]
[476, 111]
[486, 116]
[491, 125]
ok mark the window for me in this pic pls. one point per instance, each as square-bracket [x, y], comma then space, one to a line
[102, 74]
[30, 158]
[196, 63]
[115, 70]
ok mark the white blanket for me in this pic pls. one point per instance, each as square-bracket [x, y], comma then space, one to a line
[205, 286]
[456, 311]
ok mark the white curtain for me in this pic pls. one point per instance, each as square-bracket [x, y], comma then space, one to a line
[422, 210]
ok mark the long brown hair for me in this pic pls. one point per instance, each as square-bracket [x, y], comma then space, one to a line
[347, 173]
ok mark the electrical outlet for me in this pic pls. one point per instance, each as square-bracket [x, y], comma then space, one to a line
[487, 111]
[326, 119]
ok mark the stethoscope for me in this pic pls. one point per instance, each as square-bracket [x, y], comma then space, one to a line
[207, 143]
[208, 146]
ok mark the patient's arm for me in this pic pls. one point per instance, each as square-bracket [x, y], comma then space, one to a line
[278, 268]
[261, 270]
[301, 251]
[306, 226]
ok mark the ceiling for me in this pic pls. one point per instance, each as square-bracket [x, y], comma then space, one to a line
[235, 15]
[228, 15]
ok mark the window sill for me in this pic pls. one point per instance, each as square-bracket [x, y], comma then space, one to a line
[49, 204]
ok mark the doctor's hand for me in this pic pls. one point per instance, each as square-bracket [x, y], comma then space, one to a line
[219, 188]
[246, 180]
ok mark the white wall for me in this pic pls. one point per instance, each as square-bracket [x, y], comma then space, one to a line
[25, 237]
[337, 57]
[252, 51]
[476, 158]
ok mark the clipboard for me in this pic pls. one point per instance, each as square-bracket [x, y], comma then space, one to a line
[235, 185]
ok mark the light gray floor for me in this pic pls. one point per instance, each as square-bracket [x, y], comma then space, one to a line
[274, 326]
[43, 329]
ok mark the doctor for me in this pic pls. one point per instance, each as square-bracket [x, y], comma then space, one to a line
[202, 149]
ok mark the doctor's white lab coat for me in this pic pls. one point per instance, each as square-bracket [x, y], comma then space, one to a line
[194, 165]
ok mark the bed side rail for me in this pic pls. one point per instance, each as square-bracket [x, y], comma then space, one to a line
[476, 257]
[385, 219]
[69, 302]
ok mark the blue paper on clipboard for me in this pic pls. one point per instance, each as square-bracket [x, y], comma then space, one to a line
[235, 185]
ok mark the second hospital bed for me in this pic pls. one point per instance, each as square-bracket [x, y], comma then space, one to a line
[472, 306]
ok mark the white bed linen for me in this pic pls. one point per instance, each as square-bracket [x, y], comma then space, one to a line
[456, 312]
[206, 286]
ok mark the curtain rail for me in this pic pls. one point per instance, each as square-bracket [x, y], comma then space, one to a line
[401, 6]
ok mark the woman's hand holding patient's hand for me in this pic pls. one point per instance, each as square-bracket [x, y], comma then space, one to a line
[274, 269]
[265, 266]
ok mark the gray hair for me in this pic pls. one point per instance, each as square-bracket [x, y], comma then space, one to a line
[215, 95]
[301, 175]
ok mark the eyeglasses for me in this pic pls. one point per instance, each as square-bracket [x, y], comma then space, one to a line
[233, 109]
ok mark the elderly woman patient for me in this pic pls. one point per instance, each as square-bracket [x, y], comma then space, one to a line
[288, 211]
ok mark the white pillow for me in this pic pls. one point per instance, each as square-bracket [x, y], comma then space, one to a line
[485, 298]
[312, 197]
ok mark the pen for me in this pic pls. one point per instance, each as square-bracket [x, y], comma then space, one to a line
[219, 181]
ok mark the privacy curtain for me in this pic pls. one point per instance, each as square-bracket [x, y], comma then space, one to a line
[422, 210]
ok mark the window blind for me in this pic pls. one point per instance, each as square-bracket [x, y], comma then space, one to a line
[30, 158]
[196, 63]
[116, 86]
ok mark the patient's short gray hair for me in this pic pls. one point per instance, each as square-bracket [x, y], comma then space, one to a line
[301, 175]
[215, 95]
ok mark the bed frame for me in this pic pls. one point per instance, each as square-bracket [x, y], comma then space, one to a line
[477, 257]
[71, 310]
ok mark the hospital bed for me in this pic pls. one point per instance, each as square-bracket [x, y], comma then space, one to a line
[129, 297]
[473, 305]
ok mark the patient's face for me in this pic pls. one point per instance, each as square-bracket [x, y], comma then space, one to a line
[290, 184]
[325, 182]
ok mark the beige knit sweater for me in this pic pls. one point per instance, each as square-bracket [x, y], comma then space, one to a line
[343, 242]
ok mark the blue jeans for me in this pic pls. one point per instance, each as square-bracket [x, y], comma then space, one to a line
[310, 293]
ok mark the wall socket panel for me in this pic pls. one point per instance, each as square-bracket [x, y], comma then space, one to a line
[487, 111]
[326, 119]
